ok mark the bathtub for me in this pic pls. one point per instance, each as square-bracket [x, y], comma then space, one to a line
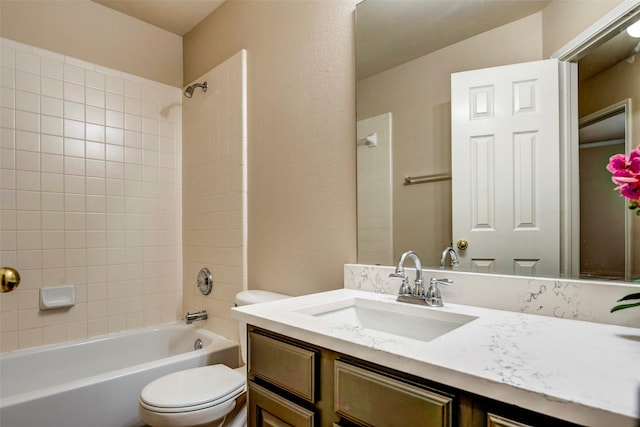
[96, 382]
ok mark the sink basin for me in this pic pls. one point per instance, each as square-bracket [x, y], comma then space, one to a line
[419, 323]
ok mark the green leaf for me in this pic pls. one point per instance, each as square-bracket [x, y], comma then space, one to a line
[630, 296]
[623, 306]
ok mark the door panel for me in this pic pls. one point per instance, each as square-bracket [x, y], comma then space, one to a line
[506, 160]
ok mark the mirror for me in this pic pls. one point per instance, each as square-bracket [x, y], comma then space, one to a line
[406, 51]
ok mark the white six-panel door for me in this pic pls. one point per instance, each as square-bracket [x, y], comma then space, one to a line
[505, 166]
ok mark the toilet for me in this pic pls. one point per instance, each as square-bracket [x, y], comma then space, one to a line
[205, 395]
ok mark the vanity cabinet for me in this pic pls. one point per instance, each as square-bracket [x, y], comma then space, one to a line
[294, 383]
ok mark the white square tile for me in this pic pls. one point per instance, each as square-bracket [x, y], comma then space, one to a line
[114, 153]
[132, 89]
[27, 62]
[94, 133]
[114, 119]
[96, 204]
[30, 260]
[114, 84]
[7, 56]
[7, 117]
[27, 141]
[7, 77]
[73, 203]
[133, 155]
[115, 170]
[27, 101]
[8, 240]
[28, 220]
[96, 239]
[73, 147]
[73, 92]
[8, 179]
[132, 106]
[74, 185]
[74, 166]
[96, 222]
[53, 239]
[29, 181]
[75, 257]
[52, 87]
[28, 200]
[53, 258]
[27, 161]
[95, 79]
[95, 168]
[133, 122]
[95, 115]
[29, 240]
[51, 106]
[7, 138]
[52, 163]
[27, 121]
[51, 125]
[132, 172]
[52, 182]
[75, 239]
[52, 202]
[7, 97]
[150, 126]
[28, 82]
[73, 74]
[96, 186]
[74, 110]
[95, 97]
[75, 221]
[115, 187]
[51, 68]
[114, 136]
[132, 139]
[74, 129]
[114, 102]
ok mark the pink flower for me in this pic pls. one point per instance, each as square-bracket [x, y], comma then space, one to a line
[626, 174]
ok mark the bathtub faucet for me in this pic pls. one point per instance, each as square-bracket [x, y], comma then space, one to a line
[199, 315]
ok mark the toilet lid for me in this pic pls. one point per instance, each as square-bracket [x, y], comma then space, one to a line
[202, 386]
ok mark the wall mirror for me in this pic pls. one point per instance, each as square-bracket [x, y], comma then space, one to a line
[406, 51]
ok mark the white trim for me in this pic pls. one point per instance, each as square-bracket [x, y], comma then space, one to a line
[594, 35]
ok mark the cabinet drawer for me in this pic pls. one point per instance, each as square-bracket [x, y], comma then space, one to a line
[267, 409]
[370, 398]
[498, 421]
[285, 365]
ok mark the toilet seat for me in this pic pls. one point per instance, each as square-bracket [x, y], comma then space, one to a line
[206, 392]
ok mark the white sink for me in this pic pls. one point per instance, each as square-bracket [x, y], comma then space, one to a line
[400, 319]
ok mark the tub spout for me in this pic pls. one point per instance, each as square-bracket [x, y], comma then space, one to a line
[199, 315]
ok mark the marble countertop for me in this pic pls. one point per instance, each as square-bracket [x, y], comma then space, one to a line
[583, 372]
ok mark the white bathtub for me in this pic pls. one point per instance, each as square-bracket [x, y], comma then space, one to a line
[96, 382]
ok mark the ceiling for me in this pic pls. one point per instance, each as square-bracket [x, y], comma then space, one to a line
[390, 33]
[176, 16]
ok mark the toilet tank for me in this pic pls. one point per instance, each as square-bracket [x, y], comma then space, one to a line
[252, 297]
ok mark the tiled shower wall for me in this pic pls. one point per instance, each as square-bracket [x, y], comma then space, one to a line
[90, 196]
[215, 192]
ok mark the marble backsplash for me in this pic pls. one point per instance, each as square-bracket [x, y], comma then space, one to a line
[571, 299]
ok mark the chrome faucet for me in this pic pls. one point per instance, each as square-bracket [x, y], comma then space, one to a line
[433, 298]
[452, 253]
[199, 315]
[405, 288]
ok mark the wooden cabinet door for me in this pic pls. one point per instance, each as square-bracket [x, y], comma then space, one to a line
[267, 409]
[373, 399]
[497, 421]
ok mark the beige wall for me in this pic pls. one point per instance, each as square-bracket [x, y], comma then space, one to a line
[301, 134]
[94, 33]
[565, 19]
[418, 95]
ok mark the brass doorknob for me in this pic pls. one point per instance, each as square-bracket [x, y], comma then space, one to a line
[10, 279]
[462, 244]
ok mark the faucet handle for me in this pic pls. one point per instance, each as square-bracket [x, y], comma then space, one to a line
[405, 287]
[433, 297]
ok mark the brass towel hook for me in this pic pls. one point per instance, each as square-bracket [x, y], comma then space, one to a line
[10, 279]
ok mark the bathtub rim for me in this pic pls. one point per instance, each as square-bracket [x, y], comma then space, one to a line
[218, 343]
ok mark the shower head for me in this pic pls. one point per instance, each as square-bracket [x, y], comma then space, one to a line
[188, 92]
